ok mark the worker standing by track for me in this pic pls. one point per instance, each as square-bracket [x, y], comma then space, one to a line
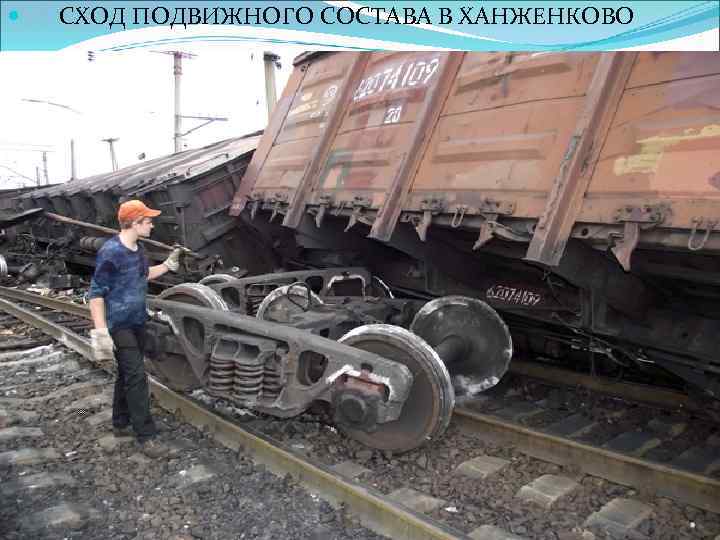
[117, 305]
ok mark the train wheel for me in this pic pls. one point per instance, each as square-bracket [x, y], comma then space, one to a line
[428, 408]
[284, 302]
[195, 294]
[178, 370]
[216, 279]
[470, 337]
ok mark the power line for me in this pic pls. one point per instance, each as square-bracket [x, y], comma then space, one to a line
[14, 181]
[16, 143]
[5, 149]
[16, 172]
[62, 106]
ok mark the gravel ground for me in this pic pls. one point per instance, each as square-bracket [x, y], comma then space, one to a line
[471, 503]
[135, 497]
[467, 503]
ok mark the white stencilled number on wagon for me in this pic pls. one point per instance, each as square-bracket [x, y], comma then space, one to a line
[415, 73]
[330, 92]
[513, 295]
[392, 115]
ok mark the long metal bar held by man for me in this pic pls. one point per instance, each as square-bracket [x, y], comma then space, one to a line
[108, 230]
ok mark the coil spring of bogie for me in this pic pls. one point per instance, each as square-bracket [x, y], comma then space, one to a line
[247, 379]
[252, 304]
[272, 384]
[221, 376]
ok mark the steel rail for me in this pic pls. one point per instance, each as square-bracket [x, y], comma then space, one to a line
[686, 487]
[652, 395]
[67, 337]
[370, 507]
[373, 510]
[53, 303]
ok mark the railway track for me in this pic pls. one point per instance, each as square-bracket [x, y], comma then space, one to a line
[379, 513]
[514, 462]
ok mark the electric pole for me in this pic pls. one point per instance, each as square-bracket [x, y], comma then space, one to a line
[177, 74]
[45, 171]
[27, 147]
[110, 141]
[271, 61]
[73, 171]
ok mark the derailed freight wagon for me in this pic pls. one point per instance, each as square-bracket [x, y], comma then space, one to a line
[449, 210]
[193, 189]
[578, 194]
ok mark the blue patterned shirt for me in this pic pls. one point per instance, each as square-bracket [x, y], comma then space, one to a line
[121, 279]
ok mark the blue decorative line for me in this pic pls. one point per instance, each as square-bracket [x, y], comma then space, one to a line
[167, 41]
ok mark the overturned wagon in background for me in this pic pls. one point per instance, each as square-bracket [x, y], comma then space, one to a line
[193, 189]
[578, 194]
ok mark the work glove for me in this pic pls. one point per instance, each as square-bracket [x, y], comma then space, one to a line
[102, 344]
[173, 260]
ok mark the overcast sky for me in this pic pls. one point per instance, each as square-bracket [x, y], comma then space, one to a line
[125, 95]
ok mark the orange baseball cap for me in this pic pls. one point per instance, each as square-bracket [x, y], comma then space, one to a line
[134, 210]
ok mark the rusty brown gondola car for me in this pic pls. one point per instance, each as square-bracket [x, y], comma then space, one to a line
[577, 193]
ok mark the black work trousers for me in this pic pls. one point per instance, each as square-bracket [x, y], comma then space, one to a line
[131, 399]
